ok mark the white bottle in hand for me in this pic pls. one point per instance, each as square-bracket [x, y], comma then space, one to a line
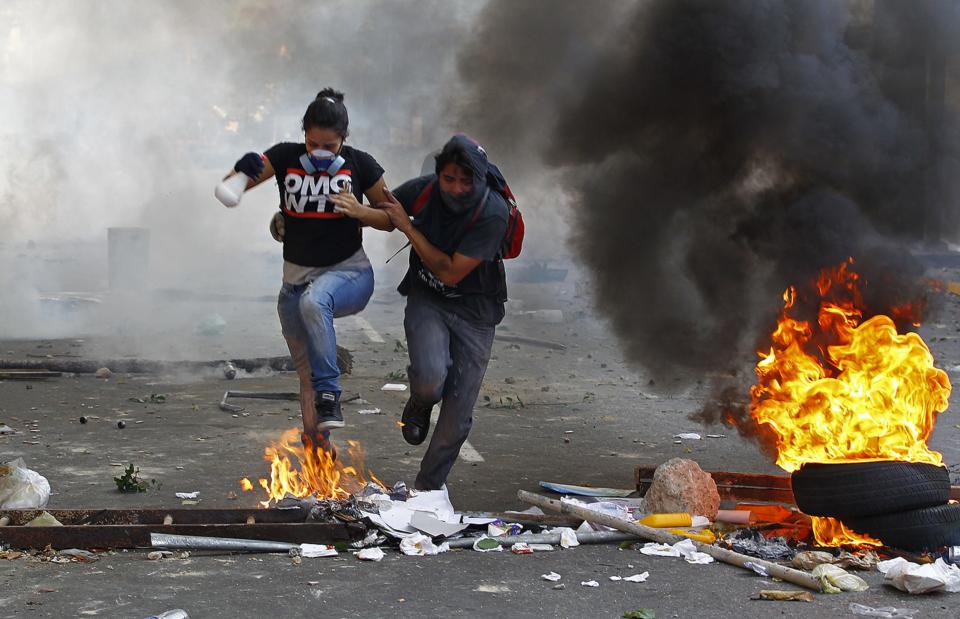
[231, 190]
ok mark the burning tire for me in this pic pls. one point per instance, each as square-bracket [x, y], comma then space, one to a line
[918, 529]
[860, 489]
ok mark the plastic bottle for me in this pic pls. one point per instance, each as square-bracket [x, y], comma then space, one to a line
[231, 190]
[176, 613]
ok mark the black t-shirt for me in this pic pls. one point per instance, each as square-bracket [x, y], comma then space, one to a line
[480, 295]
[316, 236]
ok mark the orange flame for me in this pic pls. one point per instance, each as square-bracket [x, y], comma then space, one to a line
[299, 472]
[832, 532]
[842, 390]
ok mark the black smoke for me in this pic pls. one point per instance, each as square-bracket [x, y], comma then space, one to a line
[719, 151]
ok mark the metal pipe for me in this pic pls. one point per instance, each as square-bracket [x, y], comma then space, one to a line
[197, 542]
[590, 537]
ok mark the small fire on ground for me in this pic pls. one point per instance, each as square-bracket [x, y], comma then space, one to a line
[844, 389]
[300, 472]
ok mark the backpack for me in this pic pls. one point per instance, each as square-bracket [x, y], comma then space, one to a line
[512, 242]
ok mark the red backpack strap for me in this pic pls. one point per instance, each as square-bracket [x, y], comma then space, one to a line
[421, 200]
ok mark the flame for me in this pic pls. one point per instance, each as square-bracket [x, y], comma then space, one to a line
[246, 484]
[301, 471]
[845, 389]
[832, 532]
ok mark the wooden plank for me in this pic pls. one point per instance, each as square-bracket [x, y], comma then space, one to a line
[156, 516]
[731, 479]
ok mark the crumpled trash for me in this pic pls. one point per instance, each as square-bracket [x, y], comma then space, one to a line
[758, 569]
[419, 545]
[552, 576]
[5, 429]
[21, 488]
[589, 583]
[777, 595]
[886, 612]
[809, 559]
[915, 578]
[370, 554]
[835, 579]
[487, 544]
[45, 519]
[568, 537]
[80, 555]
[499, 528]
[690, 436]
[187, 495]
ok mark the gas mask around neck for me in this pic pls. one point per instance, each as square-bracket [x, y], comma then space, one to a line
[321, 161]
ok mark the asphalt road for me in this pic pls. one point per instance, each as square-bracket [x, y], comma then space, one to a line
[577, 416]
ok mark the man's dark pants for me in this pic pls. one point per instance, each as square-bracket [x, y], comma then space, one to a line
[448, 358]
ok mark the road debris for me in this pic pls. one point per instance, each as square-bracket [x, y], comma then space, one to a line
[552, 576]
[393, 387]
[835, 579]
[589, 583]
[776, 595]
[370, 554]
[885, 612]
[914, 578]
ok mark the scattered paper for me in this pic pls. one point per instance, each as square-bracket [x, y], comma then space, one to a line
[499, 528]
[760, 570]
[914, 578]
[188, 495]
[615, 578]
[394, 387]
[370, 554]
[699, 522]
[589, 583]
[552, 576]
[690, 436]
[5, 429]
[474, 520]
[684, 548]
[313, 551]
[541, 547]
[521, 549]
[369, 411]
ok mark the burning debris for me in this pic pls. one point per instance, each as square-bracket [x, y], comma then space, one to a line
[304, 470]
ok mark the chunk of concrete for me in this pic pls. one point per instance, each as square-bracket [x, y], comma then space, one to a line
[680, 485]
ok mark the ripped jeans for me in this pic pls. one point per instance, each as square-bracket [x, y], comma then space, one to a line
[306, 319]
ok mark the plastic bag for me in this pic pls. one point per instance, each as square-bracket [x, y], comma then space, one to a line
[835, 579]
[21, 488]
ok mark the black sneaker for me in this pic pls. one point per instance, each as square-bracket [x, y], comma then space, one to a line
[415, 421]
[328, 410]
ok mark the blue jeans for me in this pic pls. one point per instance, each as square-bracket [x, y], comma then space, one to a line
[306, 319]
[448, 358]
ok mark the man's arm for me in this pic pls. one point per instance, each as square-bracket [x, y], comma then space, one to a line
[449, 270]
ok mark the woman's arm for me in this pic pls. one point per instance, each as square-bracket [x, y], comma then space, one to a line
[347, 204]
[265, 173]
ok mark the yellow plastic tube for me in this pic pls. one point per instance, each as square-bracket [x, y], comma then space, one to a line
[706, 535]
[662, 521]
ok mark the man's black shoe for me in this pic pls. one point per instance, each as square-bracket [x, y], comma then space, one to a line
[329, 416]
[416, 421]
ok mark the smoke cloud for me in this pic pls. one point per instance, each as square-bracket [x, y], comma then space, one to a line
[716, 152]
[128, 114]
